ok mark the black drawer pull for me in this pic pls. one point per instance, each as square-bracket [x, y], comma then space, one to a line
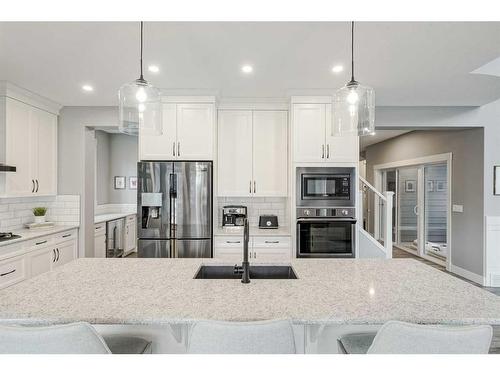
[97, 228]
[41, 243]
[7, 273]
[66, 235]
[233, 241]
[271, 242]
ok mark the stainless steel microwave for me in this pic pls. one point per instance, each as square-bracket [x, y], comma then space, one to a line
[325, 187]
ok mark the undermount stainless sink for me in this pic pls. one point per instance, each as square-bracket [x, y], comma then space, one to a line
[256, 272]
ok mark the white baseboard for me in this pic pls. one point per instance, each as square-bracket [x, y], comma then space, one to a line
[467, 274]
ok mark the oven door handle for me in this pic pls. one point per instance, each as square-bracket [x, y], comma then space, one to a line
[322, 220]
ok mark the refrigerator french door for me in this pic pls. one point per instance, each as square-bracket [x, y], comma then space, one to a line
[175, 209]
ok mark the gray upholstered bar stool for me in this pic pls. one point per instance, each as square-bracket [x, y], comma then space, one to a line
[75, 338]
[266, 337]
[407, 338]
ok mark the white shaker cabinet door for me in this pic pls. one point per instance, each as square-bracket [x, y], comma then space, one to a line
[41, 261]
[66, 252]
[270, 153]
[21, 148]
[46, 156]
[164, 146]
[100, 246]
[195, 131]
[309, 132]
[235, 154]
[343, 148]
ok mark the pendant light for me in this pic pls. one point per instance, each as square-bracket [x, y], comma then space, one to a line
[140, 105]
[354, 105]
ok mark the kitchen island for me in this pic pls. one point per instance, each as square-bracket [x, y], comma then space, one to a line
[162, 292]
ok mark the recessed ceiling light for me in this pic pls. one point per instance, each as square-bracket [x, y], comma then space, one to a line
[337, 68]
[247, 69]
[87, 88]
[153, 68]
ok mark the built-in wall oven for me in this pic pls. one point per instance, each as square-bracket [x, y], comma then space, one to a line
[325, 187]
[326, 232]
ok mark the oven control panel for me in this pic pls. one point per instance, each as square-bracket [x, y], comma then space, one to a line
[347, 212]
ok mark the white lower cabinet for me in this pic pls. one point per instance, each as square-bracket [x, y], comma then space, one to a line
[100, 240]
[38, 256]
[130, 234]
[12, 271]
[273, 249]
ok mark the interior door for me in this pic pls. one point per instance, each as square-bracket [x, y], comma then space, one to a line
[309, 132]
[46, 156]
[270, 153]
[164, 146]
[235, 154]
[195, 127]
[409, 210]
[21, 148]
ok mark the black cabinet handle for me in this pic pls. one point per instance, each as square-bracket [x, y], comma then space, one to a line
[40, 243]
[57, 260]
[67, 235]
[36, 186]
[7, 273]
[33, 187]
[54, 258]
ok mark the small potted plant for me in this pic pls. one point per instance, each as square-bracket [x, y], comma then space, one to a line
[39, 213]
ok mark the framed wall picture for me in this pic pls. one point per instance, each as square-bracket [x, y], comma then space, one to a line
[496, 180]
[132, 183]
[440, 186]
[119, 182]
[410, 186]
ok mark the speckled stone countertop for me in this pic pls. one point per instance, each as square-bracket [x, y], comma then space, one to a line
[108, 217]
[28, 234]
[163, 291]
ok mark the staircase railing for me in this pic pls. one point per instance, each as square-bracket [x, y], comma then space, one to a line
[375, 215]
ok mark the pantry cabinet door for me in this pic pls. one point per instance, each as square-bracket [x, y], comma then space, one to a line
[340, 149]
[309, 132]
[270, 153]
[234, 154]
[195, 131]
[21, 148]
[46, 156]
[164, 146]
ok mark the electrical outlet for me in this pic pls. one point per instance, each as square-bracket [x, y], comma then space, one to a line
[458, 208]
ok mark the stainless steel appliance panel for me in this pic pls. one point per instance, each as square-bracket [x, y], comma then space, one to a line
[192, 206]
[193, 248]
[153, 199]
[154, 248]
[325, 186]
[325, 238]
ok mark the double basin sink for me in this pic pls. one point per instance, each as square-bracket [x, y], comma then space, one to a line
[256, 272]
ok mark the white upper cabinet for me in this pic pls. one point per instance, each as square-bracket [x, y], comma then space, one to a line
[195, 128]
[31, 146]
[252, 153]
[270, 153]
[188, 134]
[235, 153]
[309, 132]
[313, 140]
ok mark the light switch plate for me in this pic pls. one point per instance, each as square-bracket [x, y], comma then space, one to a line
[458, 208]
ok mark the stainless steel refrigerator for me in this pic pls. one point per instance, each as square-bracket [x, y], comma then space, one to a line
[174, 204]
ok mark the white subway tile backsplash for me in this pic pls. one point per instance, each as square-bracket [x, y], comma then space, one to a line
[16, 212]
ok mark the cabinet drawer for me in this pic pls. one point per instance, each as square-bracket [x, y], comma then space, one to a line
[230, 241]
[272, 242]
[65, 236]
[12, 271]
[100, 229]
[228, 254]
[40, 242]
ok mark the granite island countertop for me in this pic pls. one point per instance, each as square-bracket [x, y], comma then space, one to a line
[163, 291]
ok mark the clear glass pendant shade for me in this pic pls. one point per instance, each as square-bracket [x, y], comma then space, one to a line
[140, 108]
[354, 110]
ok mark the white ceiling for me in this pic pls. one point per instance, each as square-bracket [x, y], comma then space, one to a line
[407, 63]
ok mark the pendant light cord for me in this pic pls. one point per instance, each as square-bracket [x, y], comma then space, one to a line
[142, 77]
[352, 51]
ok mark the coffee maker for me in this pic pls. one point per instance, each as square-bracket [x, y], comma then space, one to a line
[233, 216]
